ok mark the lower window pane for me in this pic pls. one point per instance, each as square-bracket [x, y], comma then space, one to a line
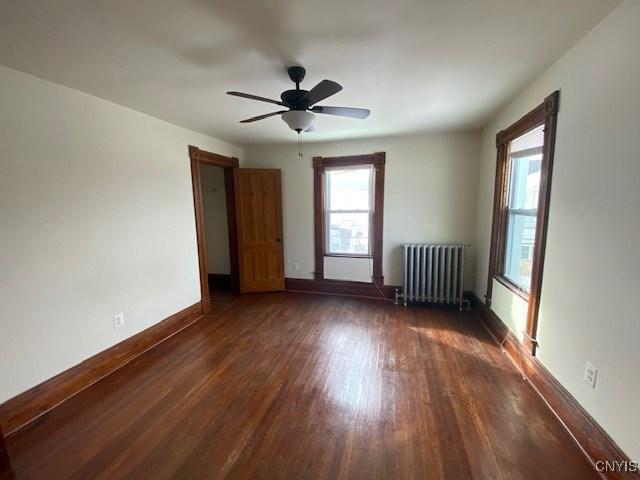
[521, 232]
[349, 233]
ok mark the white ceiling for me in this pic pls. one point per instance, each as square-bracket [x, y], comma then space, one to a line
[417, 64]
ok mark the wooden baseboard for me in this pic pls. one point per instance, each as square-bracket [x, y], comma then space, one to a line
[340, 287]
[6, 473]
[22, 409]
[594, 442]
[346, 288]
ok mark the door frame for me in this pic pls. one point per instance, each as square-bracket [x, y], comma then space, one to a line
[198, 158]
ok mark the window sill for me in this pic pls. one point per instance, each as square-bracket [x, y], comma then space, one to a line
[508, 284]
[346, 255]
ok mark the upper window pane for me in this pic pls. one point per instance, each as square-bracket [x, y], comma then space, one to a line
[524, 183]
[526, 161]
[349, 189]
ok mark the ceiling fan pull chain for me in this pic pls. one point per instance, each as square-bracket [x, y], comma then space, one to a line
[300, 144]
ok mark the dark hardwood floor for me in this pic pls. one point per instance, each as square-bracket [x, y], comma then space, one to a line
[307, 386]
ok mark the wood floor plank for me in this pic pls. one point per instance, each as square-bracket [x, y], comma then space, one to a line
[289, 385]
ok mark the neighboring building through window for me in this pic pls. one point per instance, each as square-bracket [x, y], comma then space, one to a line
[348, 207]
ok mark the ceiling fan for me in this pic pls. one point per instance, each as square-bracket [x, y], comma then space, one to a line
[301, 104]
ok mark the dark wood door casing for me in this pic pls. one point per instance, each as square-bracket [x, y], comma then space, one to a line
[197, 158]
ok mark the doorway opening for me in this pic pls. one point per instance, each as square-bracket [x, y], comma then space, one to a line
[216, 226]
[215, 212]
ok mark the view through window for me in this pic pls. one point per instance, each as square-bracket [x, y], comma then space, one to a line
[525, 161]
[348, 208]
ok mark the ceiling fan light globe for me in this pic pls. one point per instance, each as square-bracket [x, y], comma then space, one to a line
[298, 120]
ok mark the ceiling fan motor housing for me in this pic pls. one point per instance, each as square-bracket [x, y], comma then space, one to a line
[292, 99]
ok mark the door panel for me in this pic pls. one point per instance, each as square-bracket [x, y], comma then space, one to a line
[259, 218]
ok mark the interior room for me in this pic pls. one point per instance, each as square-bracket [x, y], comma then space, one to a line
[214, 208]
[284, 240]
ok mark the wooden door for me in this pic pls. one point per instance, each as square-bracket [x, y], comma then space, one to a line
[259, 220]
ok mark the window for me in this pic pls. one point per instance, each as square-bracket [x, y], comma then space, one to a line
[348, 202]
[525, 162]
[524, 166]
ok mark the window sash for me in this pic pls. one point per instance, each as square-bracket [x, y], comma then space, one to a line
[513, 186]
[350, 211]
[510, 246]
[327, 196]
[329, 251]
[512, 214]
[530, 212]
[369, 211]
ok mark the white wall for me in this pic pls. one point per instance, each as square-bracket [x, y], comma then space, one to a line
[214, 203]
[97, 218]
[430, 194]
[589, 298]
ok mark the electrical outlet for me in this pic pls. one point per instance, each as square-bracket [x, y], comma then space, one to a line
[118, 320]
[296, 266]
[590, 374]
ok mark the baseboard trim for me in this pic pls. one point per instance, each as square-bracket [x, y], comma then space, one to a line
[595, 443]
[6, 473]
[340, 287]
[19, 411]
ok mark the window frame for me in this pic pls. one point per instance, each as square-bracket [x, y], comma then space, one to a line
[328, 212]
[320, 166]
[544, 114]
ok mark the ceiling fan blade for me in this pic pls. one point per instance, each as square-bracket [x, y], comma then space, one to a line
[343, 111]
[324, 89]
[255, 97]
[262, 117]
